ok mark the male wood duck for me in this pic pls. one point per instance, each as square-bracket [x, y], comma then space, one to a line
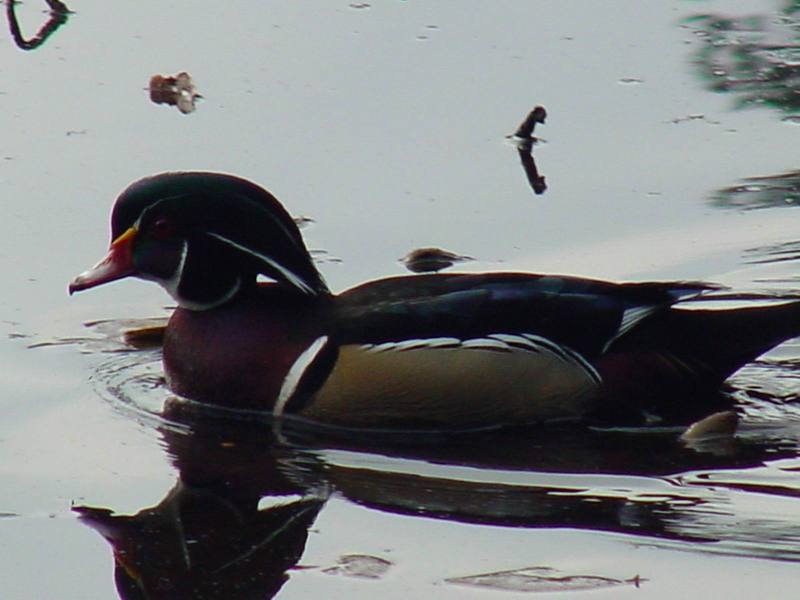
[440, 351]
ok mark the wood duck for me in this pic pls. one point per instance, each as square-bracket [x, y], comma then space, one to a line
[435, 351]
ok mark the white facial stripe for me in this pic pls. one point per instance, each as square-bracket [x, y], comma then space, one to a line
[296, 372]
[290, 277]
[171, 284]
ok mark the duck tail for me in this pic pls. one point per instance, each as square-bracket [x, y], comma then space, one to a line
[690, 352]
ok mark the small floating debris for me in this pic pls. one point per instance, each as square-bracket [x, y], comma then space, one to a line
[715, 434]
[145, 337]
[524, 139]
[693, 117]
[360, 565]
[175, 91]
[630, 81]
[59, 12]
[323, 256]
[525, 130]
[542, 579]
[431, 260]
[303, 221]
[718, 424]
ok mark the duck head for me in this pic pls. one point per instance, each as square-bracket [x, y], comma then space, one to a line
[205, 237]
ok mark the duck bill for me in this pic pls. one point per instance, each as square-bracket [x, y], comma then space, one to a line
[118, 263]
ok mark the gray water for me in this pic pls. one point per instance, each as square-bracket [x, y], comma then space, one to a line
[670, 151]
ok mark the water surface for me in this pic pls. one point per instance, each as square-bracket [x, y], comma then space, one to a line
[669, 151]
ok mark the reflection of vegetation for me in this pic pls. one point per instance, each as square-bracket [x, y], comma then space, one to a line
[773, 191]
[58, 16]
[774, 253]
[761, 192]
[755, 56]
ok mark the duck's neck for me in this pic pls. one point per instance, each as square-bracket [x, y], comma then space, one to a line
[238, 354]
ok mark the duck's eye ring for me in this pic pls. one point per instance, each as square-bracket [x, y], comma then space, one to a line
[162, 229]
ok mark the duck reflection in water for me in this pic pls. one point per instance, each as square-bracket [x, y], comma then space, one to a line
[212, 535]
[237, 522]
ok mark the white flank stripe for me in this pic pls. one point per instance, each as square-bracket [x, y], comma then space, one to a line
[443, 342]
[566, 354]
[427, 343]
[517, 341]
[291, 277]
[295, 373]
[379, 347]
[486, 344]
[542, 342]
[506, 342]
[415, 344]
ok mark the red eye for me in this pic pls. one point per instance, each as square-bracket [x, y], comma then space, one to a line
[162, 229]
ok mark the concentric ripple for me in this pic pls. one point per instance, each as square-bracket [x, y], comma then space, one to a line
[735, 496]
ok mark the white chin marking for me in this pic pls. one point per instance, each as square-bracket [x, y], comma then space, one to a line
[172, 286]
[191, 305]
